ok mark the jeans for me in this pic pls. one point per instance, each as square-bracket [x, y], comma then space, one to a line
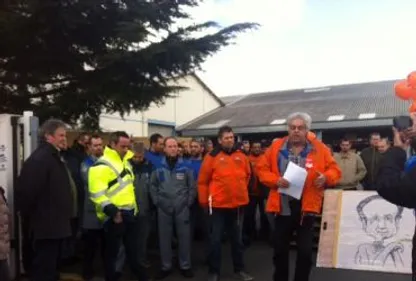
[230, 220]
[284, 228]
[117, 234]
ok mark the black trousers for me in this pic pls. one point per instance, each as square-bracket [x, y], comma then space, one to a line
[125, 233]
[414, 257]
[249, 227]
[27, 246]
[4, 271]
[284, 228]
[46, 260]
[93, 240]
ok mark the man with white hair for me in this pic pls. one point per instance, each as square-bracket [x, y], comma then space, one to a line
[303, 149]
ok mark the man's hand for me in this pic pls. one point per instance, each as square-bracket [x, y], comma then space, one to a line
[118, 218]
[400, 139]
[283, 183]
[320, 180]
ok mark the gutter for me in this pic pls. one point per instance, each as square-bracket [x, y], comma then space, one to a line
[347, 124]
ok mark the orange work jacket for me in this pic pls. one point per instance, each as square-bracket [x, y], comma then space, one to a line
[312, 197]
[224, 177]
[255, 183]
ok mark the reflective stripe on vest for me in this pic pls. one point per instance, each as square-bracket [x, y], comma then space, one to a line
[122, 185]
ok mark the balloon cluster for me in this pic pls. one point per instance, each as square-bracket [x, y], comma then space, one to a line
[406, 90]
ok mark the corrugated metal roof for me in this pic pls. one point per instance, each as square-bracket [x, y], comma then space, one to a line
[321, 103]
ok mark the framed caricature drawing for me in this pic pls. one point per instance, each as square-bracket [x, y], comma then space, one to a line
[362, 231]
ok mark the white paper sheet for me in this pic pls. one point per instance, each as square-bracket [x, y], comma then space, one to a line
[296, 176]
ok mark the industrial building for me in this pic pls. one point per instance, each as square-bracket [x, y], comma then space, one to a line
[352, 111]
[177, 110]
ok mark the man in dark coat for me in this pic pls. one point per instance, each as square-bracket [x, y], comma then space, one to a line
[371, 157]
[396, 179]
[45, 200]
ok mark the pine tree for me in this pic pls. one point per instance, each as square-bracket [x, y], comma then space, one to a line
[74, 59]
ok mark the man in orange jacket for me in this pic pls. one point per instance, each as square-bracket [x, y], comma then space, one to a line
[257, 194]
[222, 190]
[305, 150]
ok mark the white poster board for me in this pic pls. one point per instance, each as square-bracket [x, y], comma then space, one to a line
[369, 234]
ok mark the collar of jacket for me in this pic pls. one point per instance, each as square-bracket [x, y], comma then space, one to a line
[154, 152]
[90, 160]
[129, 155]
[219, 149]
[113, 155]
[140, 164]
[51, 148]
[286, 148]
[165, 164]
[311, 143]
[345, 155]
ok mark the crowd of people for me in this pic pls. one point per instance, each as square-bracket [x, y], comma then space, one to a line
[116, 194]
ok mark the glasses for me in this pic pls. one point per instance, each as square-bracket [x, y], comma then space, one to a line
[299, 128]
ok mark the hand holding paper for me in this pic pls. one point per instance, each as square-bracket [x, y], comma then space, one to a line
[296, 176]
[283, 183]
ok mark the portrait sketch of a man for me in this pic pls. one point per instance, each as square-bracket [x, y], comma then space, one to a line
[381, 222]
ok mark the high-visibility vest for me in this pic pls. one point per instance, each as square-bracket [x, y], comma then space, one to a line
[110, 181]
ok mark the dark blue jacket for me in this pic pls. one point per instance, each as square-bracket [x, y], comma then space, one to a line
[142, 173]
[89, 218]
[195, 165]
[153, 157]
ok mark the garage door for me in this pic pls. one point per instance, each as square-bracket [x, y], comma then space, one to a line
[160, 129]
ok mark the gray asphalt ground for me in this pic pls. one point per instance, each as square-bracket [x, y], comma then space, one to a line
[258, 259]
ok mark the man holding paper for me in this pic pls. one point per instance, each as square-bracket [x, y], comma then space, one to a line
[296, 168]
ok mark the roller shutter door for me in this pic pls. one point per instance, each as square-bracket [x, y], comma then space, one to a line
[160, 129]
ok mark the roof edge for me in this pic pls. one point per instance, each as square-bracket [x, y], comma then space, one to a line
[382, 122]
[322, 86]
[206, 114]
[208, 89]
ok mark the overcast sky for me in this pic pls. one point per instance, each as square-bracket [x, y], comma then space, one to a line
[311, 43]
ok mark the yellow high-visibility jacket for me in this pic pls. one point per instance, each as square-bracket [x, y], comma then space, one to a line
[129, 155]
[110, 183]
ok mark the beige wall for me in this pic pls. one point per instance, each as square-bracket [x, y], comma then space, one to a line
[186, 106]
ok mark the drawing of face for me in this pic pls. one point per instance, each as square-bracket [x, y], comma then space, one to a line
[381, 221]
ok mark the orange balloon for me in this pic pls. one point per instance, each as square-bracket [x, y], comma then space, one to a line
[411, 80]
[402, 90]
[412, 107]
